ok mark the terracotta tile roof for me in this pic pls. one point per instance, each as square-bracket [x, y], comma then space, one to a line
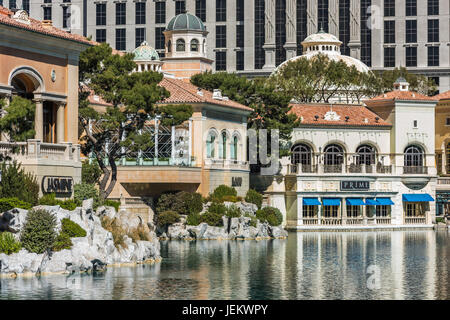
[443, 96]
[181, 92]
[37, 26]
[398, 95]
[185, 92]
[357, 115]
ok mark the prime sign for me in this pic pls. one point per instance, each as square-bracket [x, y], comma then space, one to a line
[57, 184]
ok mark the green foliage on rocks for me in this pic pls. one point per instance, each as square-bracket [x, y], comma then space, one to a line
[16, 183]
[62, 242]
[270, 215]
[254, 197]
[167, 217]
[194, 219]
[83, 191]
[7, 204]
[116, 230]
[222, 193]
[8, 244]
[49, 199]
[112, 203]
[38, 233]
[180, 202]
[90, 172]
[18, 121]
[72, 229]
[233, 212]
[213, 219]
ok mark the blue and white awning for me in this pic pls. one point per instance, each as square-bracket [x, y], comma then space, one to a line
[331, 201]
[424, 197]
[385, 201]
[355, 202]
[372, 202]
[311, 202]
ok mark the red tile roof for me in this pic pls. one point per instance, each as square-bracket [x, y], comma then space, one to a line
[357, 115]
[398, 95]
[443, 96]
[37, 26]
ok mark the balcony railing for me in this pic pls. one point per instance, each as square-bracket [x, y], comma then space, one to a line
[331, 221]
[332, 169]
[415, 170]
[415, 220]
[35, 149]
[226, 164]
[383, 220]
[355, 221]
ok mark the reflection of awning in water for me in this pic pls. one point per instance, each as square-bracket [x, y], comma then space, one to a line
[385, 201]
[372, 202]
[355, 202]
[425, 197]
[331, 201]
[311, 202]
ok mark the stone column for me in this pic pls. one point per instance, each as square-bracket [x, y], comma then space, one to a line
[173, 145]
[355, 29]
[364, 214]
[269, 45]
[291, 29]
[299, 210]
[4, 136]
[190, 142]
[333, 17]
[60, 125]
[39, 120]
[311, 12]
[344, 211]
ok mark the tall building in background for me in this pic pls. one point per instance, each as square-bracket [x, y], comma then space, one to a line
[252, 37]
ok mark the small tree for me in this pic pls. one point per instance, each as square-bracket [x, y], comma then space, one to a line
[18, 122]
[16, 183]
[90, 172]
[38, 233]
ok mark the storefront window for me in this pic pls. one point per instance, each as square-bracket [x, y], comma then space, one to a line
[413, 156]
[334, 155]
[366, 155]
[383, 211]
[310, 211]
[330, 211]
[353, 211]
[415, 210]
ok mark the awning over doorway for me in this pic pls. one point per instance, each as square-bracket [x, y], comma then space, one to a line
[424, 197]
[385, 201]
[372, 202]
[355, 202]
[331, 201]
[311, 202]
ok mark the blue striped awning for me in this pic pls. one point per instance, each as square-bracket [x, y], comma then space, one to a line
[331, 201]
[372, 202]
[355, 202]
[385, 201]
[311, 202]
[424, 197]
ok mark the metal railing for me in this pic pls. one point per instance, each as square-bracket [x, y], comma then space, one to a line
[332, 168]
[415, 170]
[331, 221]
[415, 220]
[383, 220]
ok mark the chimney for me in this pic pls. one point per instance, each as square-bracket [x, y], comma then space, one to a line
[217, 94]
[401, 84]
[47, 23]
[200, 92]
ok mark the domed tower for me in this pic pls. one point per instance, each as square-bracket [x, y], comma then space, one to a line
[146, 58]
[186, 47]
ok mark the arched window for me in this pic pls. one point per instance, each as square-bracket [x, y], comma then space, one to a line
[181, 46]
[234, 148]
[414, 156]
[194, 45]
[169, 46]
[366, 155]
[334, 155]
[301, 154]
[224, 145]
[210, 146]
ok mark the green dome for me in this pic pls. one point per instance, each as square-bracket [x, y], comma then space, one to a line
[145, 53]
[186, 21]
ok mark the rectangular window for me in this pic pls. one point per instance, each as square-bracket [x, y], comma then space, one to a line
[433, 7]
[302, 24]
[383, 211]
[221, 10]
[240, 36]
[26, 5]
[433, 56]
[140, 12]
[180, 7]
[433, 30]
[47, 13]
[411, 8]
[239, 60]
[12, 4]
[221, 61]
[411, 56]
[280, 31]
[310, 211]
[221, 36]
[322, 14]
[240, 10]
[121, 13]
[159, 38]
[389, 8]
[160, 12]
[200, 9]
[140, 36]
[121, 43]
[260, 57]
[344, 26]
[66, 17]
[436, 81]
[411, 31]
[47, 1]
[100, 14]
[366, 33]
[389, 31]
[389, 57]
[100, 35]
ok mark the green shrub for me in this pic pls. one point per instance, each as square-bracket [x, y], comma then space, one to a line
[218, 208]
[90, 172]
[8, 244]
[11, 203]
[84, 191]
[49, 199]
[254, 197]
[168, 202]
[233, 212]
[112, 203]
[38, 232]
[168, 217]
[193, 202]
[182, 202]
[222, 191]
[440, 220]
[62, 242]
[271, 215]
[72, 229]
[233, 199]
[194, 219]
[69, 204]
[253, 220]
[213, 219]
[16, 183]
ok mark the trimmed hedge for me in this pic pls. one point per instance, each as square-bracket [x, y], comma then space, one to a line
[38, 233]
[7, 204]
[254, 197]
[270, 215]
[62, 242]
[168, 217]
[223, 191]
[194, 219]
[233, 212]
[50, 200]
[8, 244]
[112, 203]
[72, 229]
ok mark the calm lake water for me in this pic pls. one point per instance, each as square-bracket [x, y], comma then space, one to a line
[409, 265]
